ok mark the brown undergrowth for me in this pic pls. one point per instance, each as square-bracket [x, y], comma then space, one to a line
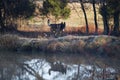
[107, 45]
[67, 29]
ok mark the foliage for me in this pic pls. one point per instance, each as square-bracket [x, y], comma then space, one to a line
[11, 10]
[114, 10]
[55, 46]
[110, 9]
[9, 42]
[68, 44]
[24, 8]
[57, 8]
[113, 6]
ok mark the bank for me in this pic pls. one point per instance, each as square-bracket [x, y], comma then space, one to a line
[100, 44]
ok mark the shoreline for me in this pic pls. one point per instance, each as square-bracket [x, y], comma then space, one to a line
[101, 44]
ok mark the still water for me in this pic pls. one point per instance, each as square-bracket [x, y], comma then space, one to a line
[42, 66]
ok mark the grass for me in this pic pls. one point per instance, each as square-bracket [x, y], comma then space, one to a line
[68, 29]
[9, 42]
[75, 23]
[69, 44]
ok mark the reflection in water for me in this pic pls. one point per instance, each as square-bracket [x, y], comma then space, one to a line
[58, 66]
[14, 66]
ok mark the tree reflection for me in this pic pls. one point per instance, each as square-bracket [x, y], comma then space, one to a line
[13, 70]
[72, 67]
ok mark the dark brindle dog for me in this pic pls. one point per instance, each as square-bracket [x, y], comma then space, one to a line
[56, 28]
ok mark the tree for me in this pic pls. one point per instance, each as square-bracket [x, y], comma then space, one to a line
[95, 16]
[57, 8]
[111, 9]
[105, 15]
[11, 10]
[82, 6]
[1, 14]
[114, 10]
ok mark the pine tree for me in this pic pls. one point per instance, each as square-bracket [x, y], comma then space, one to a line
[57, 8]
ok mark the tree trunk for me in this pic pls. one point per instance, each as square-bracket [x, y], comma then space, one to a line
[3, 15]
[82, 6]
[78, 74]
[1, 23]
[116, 23]
[106, 27]
[105, 20]
[95, 17]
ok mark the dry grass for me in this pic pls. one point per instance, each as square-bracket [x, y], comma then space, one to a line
[27, 28]
[72, 29]
[77, 17]
[83, 29]
[30, 44]
[68, 29]
[9, 41]
[55, 46]
[75, 23]
[68, 44]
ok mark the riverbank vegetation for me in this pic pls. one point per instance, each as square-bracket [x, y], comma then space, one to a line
[85, 39]
[85, 31]
[102, 45]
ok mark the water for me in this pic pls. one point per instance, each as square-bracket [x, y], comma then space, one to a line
[41, 66]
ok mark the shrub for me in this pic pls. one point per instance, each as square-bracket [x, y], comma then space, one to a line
[39, 45]
[32, 45]
[9, 42]
[80, 45]
[55, 46]
[26, 46]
